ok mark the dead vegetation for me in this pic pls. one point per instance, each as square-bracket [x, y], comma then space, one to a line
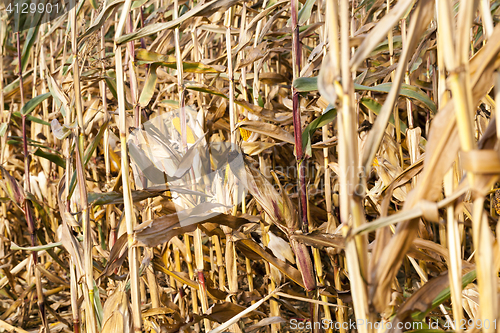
[350, 155]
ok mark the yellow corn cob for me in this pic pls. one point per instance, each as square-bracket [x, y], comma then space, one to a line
[245, 134]
[189, 133]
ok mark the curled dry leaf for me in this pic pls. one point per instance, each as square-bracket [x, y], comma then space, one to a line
[10, 185]
[273, 131]
[162, 229]
[280, 248]
[116, 313]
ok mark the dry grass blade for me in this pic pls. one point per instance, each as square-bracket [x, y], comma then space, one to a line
[235, 319]
[116, 316]
[422, 15]
[379, 32]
